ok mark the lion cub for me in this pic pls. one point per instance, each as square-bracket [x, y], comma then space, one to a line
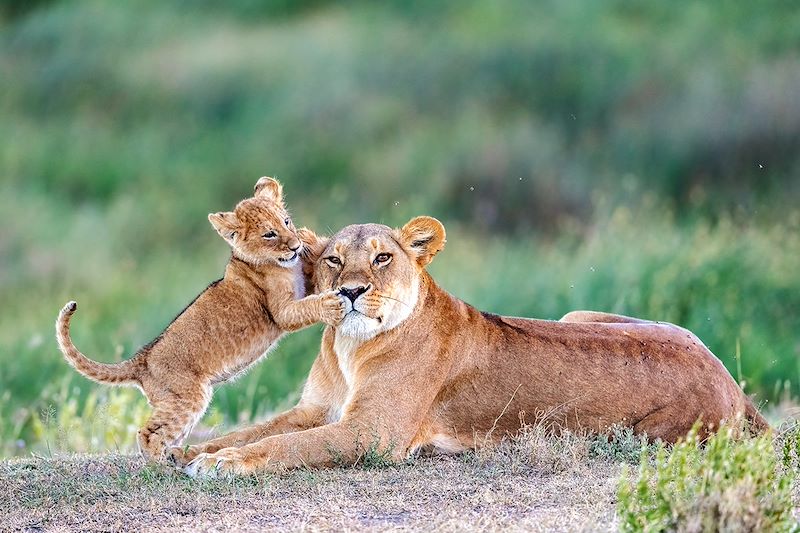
[223, 331]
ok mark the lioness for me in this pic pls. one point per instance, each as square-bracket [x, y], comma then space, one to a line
[226, 329]
[411, 366]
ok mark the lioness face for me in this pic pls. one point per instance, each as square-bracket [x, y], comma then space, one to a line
[260, 229]
[377, 269]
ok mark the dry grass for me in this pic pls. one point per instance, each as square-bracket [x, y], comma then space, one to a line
[535, 483]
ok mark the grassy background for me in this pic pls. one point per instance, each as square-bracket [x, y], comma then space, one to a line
[633, 157]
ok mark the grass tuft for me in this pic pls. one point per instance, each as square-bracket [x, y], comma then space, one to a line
[727, 483]
[620, 444]
[376, 456]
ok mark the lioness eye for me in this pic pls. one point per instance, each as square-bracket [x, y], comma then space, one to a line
[382, 258]
[286, 222]
[270, 235]
[333, 260]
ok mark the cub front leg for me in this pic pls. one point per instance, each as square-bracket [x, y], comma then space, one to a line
[327, 307]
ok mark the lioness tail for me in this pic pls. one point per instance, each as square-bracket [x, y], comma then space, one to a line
[116, 374]
[756, 422]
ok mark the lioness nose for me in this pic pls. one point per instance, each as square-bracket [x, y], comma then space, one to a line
[294, 245]
[352, 293]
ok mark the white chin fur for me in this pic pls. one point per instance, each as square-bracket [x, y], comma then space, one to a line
[290, 263]
[358, 326]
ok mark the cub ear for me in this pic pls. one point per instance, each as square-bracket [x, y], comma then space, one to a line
[225, 223]
[313, 244]
[268, 188]
[424, 237]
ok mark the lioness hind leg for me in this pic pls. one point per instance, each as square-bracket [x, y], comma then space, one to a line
[170, 423]
[669, 424]
[595, 316]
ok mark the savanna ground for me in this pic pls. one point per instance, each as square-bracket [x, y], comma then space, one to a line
[537, 482]
[120, 493]
[637, 157]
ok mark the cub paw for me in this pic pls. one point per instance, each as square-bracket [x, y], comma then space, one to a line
[307, 237]
[333, 307]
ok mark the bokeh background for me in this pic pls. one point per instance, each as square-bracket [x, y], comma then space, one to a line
[639, 157]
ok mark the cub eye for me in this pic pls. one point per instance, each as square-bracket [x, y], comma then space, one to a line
[270, 235]
[382, 258]
[333, 261]
[287, 221]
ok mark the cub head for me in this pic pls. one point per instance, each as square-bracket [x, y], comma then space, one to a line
[377, 269]
[259, 229]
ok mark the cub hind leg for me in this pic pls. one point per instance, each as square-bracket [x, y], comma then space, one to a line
[171, 421]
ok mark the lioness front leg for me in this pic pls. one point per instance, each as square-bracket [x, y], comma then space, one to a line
[382, 415]
[321, 446]
[327, 307]
[298, 418]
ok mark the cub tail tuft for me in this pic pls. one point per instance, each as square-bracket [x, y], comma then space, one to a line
[114, 374]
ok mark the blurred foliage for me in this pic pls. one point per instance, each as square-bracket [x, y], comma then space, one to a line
[475, 109]
[636, 157]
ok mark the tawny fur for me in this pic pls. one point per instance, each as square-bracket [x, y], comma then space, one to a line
[223, 331]
[412, 367]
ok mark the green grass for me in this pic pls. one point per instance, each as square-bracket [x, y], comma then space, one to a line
[618, 156]
[723, 484]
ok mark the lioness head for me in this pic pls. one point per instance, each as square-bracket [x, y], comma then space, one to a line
[377, 269]
[259, 229]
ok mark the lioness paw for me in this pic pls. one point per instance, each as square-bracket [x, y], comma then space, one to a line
[333, 307]
[224, 463]
[181, 456]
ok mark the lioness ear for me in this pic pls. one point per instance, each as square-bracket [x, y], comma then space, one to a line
[313, 244]
[423, 236]
[269, 188]
[226, 224]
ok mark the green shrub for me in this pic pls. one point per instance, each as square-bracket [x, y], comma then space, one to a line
[788, 442]
[371, 454]
[375, 456]
[619, 444]
[726, 483]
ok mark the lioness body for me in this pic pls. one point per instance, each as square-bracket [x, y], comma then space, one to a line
[412, 367]
[490, 373]
[223, 331]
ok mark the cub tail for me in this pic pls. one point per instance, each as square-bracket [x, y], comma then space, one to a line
[114, 374]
